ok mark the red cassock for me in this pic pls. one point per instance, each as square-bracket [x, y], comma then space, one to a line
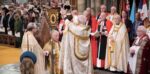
[102, 42]
[60, 28]
[94, 41]
[60, 25]
[108, 25]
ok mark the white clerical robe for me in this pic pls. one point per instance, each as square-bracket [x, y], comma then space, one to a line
[133, 59]
[75, 53]
[30, 43]
[148, 32]
[117, 50]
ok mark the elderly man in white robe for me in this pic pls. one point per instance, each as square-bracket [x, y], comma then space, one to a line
[76, 48]
[139, 61]
[29, 43]
[117, 47]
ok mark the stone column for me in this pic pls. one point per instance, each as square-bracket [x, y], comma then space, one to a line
[93, 5]
[81, 5]
[1, 2]
[97, 6]
[88, 3]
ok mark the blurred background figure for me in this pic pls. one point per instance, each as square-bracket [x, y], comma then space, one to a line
[149, 14]
[138, 51]
[102, 9]
[138, 22]
[147, 26]
[18, 28]
[129, 25]
[113, 12]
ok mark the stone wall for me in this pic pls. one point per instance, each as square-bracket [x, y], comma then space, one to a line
[94, 4]
[149, 4]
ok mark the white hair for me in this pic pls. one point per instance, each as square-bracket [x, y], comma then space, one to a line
[31, 25]
[103, 6]
[75, 19]
[113, 7]
[82, 19]
[85, 13]
[54, 32]
[142, 28]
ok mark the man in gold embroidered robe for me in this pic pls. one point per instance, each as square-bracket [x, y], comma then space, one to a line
[75, 53]
[51, 49]
[117, 47]
[113, 12]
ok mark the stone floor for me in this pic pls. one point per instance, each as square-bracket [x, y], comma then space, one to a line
[10, 69]
[10, 55]
[14, 69]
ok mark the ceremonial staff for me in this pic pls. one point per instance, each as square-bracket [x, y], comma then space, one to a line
[52, 61]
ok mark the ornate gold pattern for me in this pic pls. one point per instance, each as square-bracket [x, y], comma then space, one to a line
[53, 18]
[77, 53]
[77, 39]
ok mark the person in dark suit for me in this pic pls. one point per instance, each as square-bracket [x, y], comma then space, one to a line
[0, 18]
[129, 26]
[5, 23]
[5, 19]
[11, 22]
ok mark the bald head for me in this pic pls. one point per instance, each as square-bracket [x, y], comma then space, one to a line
[88, 9]
[117, 19]
[75, 12]
[103, 8]
[103, 16]
[32, 27]
[55, 35]
[141, 30]
[85, 13]
[113, 9]
[81, 19]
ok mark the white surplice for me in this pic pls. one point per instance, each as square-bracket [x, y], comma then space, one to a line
[132, 60]
[75, 53]
[117, 50]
